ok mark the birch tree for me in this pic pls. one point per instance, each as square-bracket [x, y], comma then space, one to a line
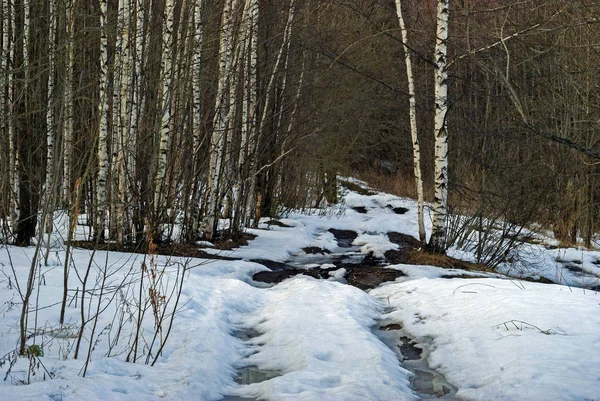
[440, 204]
[103, 133]
[167, 97]
[413, 122]
[221, 121]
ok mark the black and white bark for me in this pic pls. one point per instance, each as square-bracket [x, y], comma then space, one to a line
[440, 204]
[412, 111]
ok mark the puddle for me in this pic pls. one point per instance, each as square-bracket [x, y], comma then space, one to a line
[253, 374]
[344, 238]
[426, 382]
[408, 349]
[398, 210]
[430, 383]
[246, 334]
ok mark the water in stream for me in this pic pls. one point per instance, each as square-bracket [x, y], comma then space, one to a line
[427, 383]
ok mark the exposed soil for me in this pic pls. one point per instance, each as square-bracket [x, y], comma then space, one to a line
[371, 277]
[314, 250]
[363, 276]
[173, 249]
[464, 276]
[399, 209]
[271, 264]
[357, 188]
[276, 223]
[183, 249]
[360, 209]
[277, 276]
[389, 327]
[227, 244]
[542, 280]
[414, 252]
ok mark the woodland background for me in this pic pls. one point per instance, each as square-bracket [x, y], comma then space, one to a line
[155, 118]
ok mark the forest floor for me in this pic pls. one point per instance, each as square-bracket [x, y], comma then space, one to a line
[338, 306]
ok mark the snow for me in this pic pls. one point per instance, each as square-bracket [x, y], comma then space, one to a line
[375, 245]
[495, 340]
[317, 357]
[492, 337]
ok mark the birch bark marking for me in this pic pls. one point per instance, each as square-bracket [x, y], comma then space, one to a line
[440, 205]
[5, 173]
[51, 132]
[252, 135]
[68, 134]
[103, 109]
[198, 32]
[8, 56]
[123, 107]
[217, 140]
[413, 122]
[196, 77]
[167, 95]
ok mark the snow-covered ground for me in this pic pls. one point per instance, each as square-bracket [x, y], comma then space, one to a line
[491, 337]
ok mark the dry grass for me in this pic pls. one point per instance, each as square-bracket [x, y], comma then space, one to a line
[403, 186]
[436, 259]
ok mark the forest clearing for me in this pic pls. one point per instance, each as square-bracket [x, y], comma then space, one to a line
[299, 199]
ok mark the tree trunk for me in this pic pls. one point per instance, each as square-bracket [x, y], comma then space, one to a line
[440, 204]
[413, 123]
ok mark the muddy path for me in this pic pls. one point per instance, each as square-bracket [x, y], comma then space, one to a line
[346, 264]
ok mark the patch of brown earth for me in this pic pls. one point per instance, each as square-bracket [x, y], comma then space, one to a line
[361, 276]
[314, 250]
[357, 188]
[414, 252]
[190, 250]
[398, 210]
[227, 244]
[366, 278]
[277, 223]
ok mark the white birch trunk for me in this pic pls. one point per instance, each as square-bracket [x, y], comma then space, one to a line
[413, 123]
[51, 133]
[440, 205]
[198, 31]
[247, 52]
[232, 166]
[122, 109]
[167, 96]
[103, 131]
[7, 57]
[68, 133]
[14, 176]
[252, 135]
[217, 142]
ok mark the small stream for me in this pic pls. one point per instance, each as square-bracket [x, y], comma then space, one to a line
[363, 272]
[427, 383]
